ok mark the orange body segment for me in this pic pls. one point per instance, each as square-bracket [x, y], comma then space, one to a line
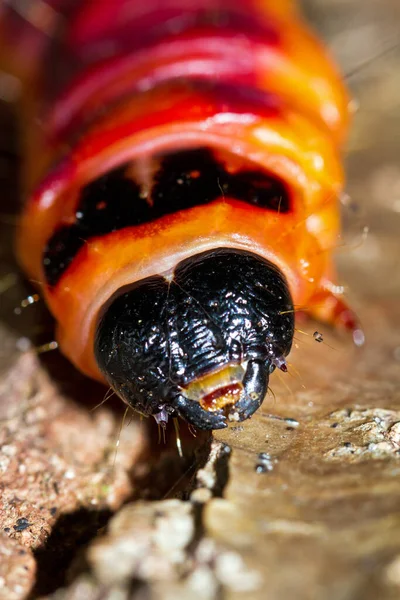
[257, 90]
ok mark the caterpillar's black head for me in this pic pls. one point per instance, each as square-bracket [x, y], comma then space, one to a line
[200, 344]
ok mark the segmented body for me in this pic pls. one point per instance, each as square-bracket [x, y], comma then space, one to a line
[221, 121]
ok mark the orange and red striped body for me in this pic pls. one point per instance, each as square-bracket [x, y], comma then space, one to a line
[122, 85]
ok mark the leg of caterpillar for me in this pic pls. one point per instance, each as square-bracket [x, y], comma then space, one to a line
[330, 308]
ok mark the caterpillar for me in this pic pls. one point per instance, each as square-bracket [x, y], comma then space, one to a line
[183, 169]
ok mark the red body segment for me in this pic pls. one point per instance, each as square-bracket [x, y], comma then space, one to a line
[115, 82]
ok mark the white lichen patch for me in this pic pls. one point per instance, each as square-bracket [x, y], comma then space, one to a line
[234, 574]
[371, 433]
[392, 572]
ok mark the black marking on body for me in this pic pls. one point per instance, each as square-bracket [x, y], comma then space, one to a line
[184, 180]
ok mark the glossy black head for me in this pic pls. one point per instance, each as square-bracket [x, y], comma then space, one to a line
[202, 344]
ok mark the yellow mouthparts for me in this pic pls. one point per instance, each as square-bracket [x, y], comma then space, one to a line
[219, 389]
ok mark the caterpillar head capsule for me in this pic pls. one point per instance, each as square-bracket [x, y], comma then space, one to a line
[200, 343]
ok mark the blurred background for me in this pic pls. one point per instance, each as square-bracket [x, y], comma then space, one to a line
[364, 37]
